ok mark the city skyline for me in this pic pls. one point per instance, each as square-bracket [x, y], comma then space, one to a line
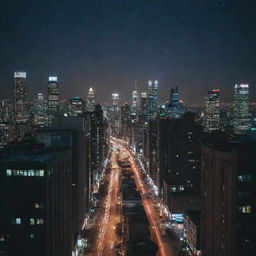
[196, 46]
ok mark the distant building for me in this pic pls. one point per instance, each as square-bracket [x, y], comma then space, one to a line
[21, 111]
[143, 106]
[241, 114]
[212, 111]
[135, 107]
[228, 201]
[53, 96]
[174, 103]
[90, 103]
[152, 100]
[126, 129]
[41, 111]
[76, 107]
[115, 115]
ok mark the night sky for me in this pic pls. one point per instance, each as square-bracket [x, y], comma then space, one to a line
[107, 44]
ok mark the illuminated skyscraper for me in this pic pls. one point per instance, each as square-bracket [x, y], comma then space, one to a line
[90, 104]
[174, 103]
[53, 96]
[40, 111]
[76, 107]
[152, 102]
[135, 106]
[143, 106]
[212, 111]
[241, 114]
[115, 115]
[21, 111]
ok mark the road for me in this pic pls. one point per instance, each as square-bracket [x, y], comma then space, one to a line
[160, 238]
[107, 238]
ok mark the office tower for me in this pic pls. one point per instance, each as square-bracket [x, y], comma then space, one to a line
[212, 111]
[21, 111]
[90, 103]
[228, 198]
[40, 111]
[135, 106]
[115, 115]
[241, 114]
[126, 122]
[152, 102]
[36, 201]
[53, 96]
[76, 107]
[174, 103]
[143, 106]
[179, 162]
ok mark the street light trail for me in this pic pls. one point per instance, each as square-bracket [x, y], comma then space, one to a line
[161, 240]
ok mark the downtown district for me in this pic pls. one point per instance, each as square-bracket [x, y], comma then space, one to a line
[139, 178]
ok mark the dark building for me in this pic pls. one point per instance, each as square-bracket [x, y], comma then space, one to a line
[228, 198]
[126, 130]
[35, 195]
[192, 231]
[179, 162]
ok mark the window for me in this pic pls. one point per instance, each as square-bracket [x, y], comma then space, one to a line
[40, 221]
[2, 238]
[245, 209]
[244, 178]
[39, 205]
[17, 221]
[8, 172]
[32, 221]
[32, 236]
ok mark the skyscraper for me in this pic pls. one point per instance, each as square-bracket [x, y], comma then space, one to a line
[76, 107]
[90, 104]
[174, 103]
[40, 111]
[53, 96]
[115, 115]
[212, 111]
[241, 114]
[152, 104]
[21, 111]
[135, 106]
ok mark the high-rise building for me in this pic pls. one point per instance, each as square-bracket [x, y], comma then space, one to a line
[143, 106]
[126, 122]
[135, 106]
[76, 107]
[21, 111]
[174, 103]
[152, 101]
[38, 182]
[228, 198]
[212, 111]
[53, 96]
[90, 104]
[241, 114]
[115, 115]
[40, 111]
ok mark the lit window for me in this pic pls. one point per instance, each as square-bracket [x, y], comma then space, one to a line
[2, 238]
[8, 172]
[32, 221]
[40, 221]
[37, 205]
[41, 173]
[244, 178]
[18, 221]
[32, 236]
[31, 173]
[245, 209]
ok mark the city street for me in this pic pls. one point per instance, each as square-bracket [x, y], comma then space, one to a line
[161, 239]
[107, 238]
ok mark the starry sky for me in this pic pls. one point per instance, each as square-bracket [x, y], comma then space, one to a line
[107, 44]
